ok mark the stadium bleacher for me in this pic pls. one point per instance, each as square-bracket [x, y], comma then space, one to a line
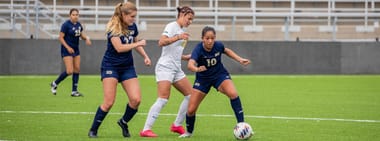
[321, 20]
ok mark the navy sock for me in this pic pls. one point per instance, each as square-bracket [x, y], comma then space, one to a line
[238, 109]
[75, 81]
[99, 117]
[61, 77]
[129, 113]
[190, 121]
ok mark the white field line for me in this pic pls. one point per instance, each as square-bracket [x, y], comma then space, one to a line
[201, 115]
[233, 76]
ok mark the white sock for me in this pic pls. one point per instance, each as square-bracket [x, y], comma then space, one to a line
[154, 112]
[182, 111]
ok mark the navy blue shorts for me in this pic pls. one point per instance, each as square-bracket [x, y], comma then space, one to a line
[119, 74]
[204, 85]
[64, 53]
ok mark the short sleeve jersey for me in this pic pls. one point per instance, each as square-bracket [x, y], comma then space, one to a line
[72, 33]
[113, 59]
[210, 59]
[171, 54]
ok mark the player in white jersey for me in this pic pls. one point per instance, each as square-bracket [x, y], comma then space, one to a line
[168, 71]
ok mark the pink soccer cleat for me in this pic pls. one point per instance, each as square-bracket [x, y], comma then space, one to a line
[148, 133]
[177, 129]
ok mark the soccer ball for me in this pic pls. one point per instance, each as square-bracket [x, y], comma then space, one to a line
[243, 131]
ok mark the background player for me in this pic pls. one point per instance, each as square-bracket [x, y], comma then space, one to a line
[206, 62]
[117, 66]
[169, 72]
[71, 30]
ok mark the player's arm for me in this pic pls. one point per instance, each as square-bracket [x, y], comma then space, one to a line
[186, 57]
[119, 47]
[192, 66]
[142, 52]
[87, 38]
[165, 40]
[236, 57]
[63, 42]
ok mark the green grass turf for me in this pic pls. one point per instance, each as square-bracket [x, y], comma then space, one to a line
[35, 114]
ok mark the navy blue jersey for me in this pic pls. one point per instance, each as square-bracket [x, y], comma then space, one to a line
[72, 33]
[211, 60]
[124, 60]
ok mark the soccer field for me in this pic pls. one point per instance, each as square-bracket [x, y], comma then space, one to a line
[278, 107]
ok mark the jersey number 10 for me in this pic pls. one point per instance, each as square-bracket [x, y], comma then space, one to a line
[211, 62]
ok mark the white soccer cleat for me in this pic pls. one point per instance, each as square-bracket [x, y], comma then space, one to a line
[185, 135]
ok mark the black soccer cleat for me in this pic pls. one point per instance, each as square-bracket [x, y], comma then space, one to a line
[53, 88]
[76, 94]
[124, 128]
[92, 134]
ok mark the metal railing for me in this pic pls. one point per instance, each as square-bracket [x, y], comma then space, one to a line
[214, 13]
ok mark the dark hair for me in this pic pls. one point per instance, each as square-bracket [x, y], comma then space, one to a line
[185, 10]
[73, 9]
[206, 29]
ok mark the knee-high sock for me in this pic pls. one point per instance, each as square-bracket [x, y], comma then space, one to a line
[238, 109]
[128, 114]
[190, 121]
[154, 112]
[61, 77]
[182, 111]
[75, 81]
[99, 117]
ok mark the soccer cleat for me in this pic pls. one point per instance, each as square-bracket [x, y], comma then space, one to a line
[53, 88]
[185, 135]
[177, 129]
[92, 134]
[76, 94]
[148, 133]
[124, 128]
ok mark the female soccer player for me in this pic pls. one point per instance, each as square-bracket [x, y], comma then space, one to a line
[71, 30]
[206, 62]
[117, 66]
[168, 71]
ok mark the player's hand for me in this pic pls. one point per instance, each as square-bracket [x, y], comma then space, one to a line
[201, 68]
[88, 42]
[70, 50]
[184, 36]
[186, 57]
[147, 61]
[244, 62]
[141, 43]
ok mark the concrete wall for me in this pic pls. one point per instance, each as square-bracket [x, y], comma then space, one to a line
[20, 56]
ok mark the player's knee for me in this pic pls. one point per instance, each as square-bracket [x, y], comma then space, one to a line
[190, 111]
[135, 102]
[107, 106]
[232, 95]
[76, 71]
[69, 72]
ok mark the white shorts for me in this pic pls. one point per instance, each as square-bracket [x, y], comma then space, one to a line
[165, 73]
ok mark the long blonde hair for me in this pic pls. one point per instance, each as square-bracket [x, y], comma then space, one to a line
[116, 25]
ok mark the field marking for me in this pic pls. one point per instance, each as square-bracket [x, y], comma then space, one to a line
[201, 115]
[233, 76]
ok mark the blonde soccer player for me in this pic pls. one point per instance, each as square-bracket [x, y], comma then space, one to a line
[117, 66]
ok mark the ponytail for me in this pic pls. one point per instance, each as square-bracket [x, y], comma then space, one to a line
[116, 25]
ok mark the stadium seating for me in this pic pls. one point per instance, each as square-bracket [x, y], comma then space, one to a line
[330, 20]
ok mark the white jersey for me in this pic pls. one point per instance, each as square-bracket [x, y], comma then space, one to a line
[171, 54]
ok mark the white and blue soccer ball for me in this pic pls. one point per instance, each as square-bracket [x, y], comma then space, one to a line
[243, 131]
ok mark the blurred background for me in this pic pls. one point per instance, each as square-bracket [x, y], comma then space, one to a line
[279, 36]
